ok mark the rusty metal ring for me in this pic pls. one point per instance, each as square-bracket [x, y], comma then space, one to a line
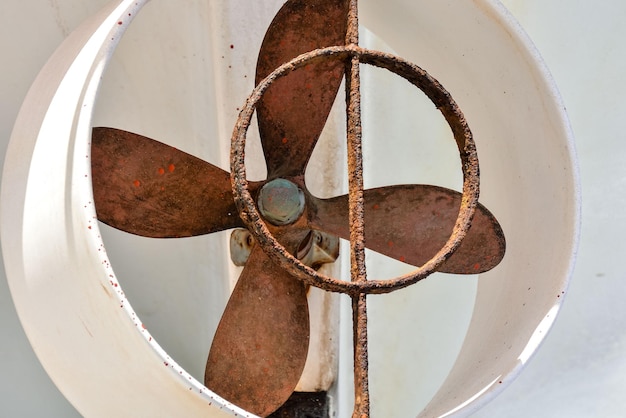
[442, 100]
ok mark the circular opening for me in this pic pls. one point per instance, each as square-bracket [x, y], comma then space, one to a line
[528, 180]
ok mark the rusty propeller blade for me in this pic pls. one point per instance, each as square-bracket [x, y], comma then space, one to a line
[261, 343]
[293, 111]
[151, 189]
[411, 223]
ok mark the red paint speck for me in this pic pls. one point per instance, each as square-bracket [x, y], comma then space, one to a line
[161, 170]
[136, 183]
[171, 168]
[390, 243]
[376, 206]
[120, 23]
[285, 140]
[402, 258]
[477, 266]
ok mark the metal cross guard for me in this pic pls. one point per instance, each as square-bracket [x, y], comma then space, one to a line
[359, 286]
[147, 188]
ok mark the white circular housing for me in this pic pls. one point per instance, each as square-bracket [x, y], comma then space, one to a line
[97, 350]
[73, 310]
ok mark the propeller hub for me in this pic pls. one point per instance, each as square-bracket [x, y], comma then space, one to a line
[281, 202]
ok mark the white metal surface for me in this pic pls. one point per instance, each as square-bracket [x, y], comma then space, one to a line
[489, 70]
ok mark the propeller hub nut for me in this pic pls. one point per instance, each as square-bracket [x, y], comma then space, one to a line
[281, 202]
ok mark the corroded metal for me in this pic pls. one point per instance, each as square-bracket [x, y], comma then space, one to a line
[291, 117]
[292, 114]
[356, 218]
[151, 189]
[147, 188]
[469, 164]
[281, 202]
[359, 286]
[316, 249]
[261, 344]
[423, 219]
[241, 244]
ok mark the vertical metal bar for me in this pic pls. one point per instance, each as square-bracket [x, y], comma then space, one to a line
[355, 157]
[352, 32]
[361, 371]
[356, 218]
